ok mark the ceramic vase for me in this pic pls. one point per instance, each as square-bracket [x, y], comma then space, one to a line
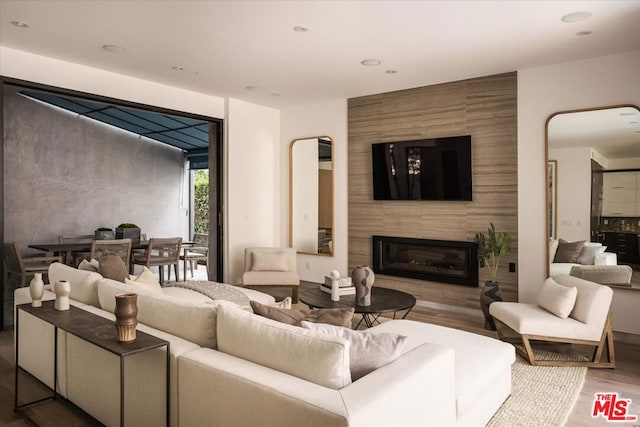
[36, 289]
[490, 294]
[362, 277]
[62, 289]
[126, 316]
[335, 285]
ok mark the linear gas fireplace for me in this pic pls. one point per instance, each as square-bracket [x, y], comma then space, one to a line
[435, 260]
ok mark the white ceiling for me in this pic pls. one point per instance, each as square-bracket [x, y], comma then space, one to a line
[225, 46]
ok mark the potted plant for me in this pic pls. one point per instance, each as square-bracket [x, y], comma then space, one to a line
[128, 231]
[491, 248]
[104, 233]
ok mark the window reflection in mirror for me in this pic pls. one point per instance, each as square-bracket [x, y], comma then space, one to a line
[311, 195]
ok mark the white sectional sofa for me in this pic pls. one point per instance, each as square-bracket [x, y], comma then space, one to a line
[592, 253]
[443, 377]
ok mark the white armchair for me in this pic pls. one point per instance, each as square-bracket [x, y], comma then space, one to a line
[273, 267]
[579, 316]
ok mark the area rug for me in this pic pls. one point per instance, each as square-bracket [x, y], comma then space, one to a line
[540, 395]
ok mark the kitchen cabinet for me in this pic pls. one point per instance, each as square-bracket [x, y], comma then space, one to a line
[621, 194]
[625, 245]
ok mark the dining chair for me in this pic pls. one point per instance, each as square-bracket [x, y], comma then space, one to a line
[120, 247]
[161, 252]
[21, 266]
[71, 257]
[198, 252]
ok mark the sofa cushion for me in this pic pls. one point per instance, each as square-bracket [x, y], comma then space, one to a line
[84, 284]
[146, 280]
[557, 299]
[589, 251]
[109, 288]
[306, 354]
[293, 316]
[112, 267]
[568, 251]
[273, 278]
[367, 351]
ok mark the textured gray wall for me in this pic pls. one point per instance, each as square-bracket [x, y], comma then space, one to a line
[65, 174]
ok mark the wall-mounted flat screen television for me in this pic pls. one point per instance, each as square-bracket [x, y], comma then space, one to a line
[425, 169]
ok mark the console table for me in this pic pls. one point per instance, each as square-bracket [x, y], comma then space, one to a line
[96, 330]
[383, 300]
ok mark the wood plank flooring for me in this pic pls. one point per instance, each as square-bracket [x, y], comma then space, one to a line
[625, 379]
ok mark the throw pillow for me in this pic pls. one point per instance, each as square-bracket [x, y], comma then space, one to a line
[293, 316]
[276, 261]
[112, 267]
[588, 254]
[147, 280]
[553, 248]
[92, 265]
[285, 303]
[568, 251]
[557, 299]
[367, 350]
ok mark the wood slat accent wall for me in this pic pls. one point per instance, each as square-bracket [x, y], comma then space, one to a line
[486, 109]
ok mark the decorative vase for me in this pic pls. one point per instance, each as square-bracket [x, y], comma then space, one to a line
[362, 277]
[62, 288]
[126, 316]
[335, 285]
[36, 289]
[491, 293]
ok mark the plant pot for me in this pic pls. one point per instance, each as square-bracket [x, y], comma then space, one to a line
[126, 313]
[490, 294]
[104, 235]
[128, 233]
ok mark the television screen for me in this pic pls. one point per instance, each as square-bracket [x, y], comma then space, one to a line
[426, 169]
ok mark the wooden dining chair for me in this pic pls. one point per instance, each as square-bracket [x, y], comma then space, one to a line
[74, 258]
[120, 247]
[161, 252]
[198, 252]
[21, 266]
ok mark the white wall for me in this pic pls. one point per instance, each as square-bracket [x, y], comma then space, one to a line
[574, 192]
[252, 183]
[305, 179]
[631, 163]
[330, 119]
[54, 72]
[603, 81]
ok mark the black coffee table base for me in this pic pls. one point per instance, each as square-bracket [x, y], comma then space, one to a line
[383, 300]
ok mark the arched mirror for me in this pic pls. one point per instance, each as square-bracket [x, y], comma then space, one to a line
[311, 195]
[593, 161]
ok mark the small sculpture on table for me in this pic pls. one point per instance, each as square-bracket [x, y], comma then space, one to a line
[337, 286]
[36, 290]
[126, 316]
[62, 289]
[362, 277]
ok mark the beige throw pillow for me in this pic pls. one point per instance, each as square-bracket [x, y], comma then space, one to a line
[568, 251]
[557, 299]
[92, 265]
[112, 267]
[367, 351]
[276, 261]
[293, 316]
[588, 254]
[147, 280]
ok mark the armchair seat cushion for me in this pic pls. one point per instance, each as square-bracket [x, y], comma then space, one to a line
[529, 319]
[270, 278]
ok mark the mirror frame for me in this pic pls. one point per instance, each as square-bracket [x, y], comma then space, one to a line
[546, 175]
[333, 195]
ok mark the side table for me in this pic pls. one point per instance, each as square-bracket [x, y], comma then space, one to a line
[383, 300]
[96, 330]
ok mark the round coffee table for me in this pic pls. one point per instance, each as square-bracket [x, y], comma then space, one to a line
[383, 300]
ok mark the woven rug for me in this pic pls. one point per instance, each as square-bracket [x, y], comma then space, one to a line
[540, 395]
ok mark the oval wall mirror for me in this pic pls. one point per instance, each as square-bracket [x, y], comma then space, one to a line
[584, 148]
[311, 195]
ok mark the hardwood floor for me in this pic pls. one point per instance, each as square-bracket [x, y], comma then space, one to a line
[625, 379]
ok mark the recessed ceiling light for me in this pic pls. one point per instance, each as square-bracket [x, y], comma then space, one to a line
[584, 33]
[391, 71]
[576, 17]
[113, 48]
[628, 113]
[253, 88]
[633, 123]
[371, 62]
[300, 29]
[19, 24]
[275, 94]
[177, 68]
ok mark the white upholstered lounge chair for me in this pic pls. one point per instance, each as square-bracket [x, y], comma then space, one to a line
[273, 267]
[586, 321]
